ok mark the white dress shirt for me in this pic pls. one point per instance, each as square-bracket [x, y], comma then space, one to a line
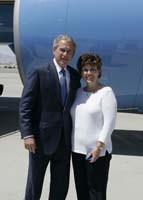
[67, 74]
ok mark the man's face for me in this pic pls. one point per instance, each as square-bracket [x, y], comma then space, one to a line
[63, 53]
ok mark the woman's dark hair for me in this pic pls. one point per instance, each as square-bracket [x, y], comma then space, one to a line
[91, 59]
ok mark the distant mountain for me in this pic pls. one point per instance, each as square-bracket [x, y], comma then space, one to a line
[7, 58]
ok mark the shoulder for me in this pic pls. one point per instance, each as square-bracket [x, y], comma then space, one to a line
[73, 71]
[107, 89]
[42, 67]
[39, 68]
[74, 76]
[108, 94]
[35, 73]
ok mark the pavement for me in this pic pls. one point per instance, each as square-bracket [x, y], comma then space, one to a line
[126, 171]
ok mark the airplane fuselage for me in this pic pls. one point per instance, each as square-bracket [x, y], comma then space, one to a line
[112, 29]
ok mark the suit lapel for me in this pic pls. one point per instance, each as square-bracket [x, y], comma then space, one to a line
[54, 81]
[55, 84]
[70, 87]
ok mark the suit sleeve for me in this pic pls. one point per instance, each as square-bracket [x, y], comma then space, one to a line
[28, 102]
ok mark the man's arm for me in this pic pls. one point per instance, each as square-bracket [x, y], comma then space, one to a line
[27, 107]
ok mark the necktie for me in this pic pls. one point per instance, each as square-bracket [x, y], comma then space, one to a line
[63, 86]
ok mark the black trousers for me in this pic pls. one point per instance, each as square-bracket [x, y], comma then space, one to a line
[91, 178]
[59, 169]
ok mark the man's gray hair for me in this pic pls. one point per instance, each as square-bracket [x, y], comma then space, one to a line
[66, 38]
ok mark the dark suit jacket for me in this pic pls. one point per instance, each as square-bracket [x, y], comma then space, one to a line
[41, 111]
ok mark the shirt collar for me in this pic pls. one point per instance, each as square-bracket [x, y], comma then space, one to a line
[58, 66]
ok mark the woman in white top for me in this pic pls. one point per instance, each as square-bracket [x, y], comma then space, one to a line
[93, 115]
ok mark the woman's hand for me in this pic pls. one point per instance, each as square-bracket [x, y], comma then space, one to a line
[94, 154]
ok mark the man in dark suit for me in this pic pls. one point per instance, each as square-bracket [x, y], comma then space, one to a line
[45, 120]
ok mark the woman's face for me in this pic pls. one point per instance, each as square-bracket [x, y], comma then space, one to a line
[90, 73]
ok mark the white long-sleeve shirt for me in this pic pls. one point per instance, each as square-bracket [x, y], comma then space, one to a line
[93, 117]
